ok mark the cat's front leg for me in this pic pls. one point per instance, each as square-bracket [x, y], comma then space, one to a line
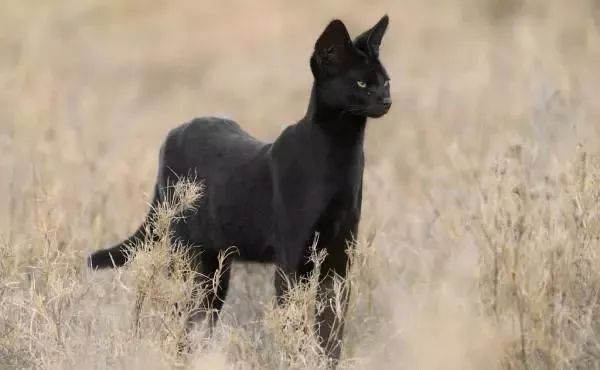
[333, 295]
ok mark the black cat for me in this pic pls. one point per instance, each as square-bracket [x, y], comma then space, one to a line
[269, 200]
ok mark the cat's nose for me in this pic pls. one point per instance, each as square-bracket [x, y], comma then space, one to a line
[387, 101]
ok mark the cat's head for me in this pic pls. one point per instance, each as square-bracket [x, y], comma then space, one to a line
[348, 74]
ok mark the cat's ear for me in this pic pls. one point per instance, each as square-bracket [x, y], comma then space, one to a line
[370, 41]
[334, 44]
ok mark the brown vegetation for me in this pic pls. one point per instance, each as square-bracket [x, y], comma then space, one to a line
[480, 234]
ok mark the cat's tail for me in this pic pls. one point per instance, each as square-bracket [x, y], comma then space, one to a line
[118, 255]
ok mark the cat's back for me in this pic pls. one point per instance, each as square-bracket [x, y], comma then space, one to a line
[209, 143]
[213, 132]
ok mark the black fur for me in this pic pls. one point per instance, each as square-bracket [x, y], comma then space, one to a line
[268, 200]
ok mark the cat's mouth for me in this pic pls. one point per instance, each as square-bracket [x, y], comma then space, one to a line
[378, 110]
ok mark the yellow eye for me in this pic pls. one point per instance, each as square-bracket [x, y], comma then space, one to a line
[361, 84]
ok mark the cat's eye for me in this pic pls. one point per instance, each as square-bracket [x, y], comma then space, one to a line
[386, 83]
[361, 84]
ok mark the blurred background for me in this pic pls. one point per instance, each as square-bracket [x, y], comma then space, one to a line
[89, 89]
[93, 86]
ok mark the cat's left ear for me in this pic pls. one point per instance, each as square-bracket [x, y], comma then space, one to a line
[334, 44]
[370, 41]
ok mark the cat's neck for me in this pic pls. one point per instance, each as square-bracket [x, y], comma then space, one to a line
[342, 128]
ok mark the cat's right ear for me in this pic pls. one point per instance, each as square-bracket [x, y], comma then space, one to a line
[369, 41]
[333, 46]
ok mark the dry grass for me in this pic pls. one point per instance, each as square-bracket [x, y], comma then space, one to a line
[480, 235]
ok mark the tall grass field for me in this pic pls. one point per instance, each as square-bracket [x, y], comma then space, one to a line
[479, 243]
